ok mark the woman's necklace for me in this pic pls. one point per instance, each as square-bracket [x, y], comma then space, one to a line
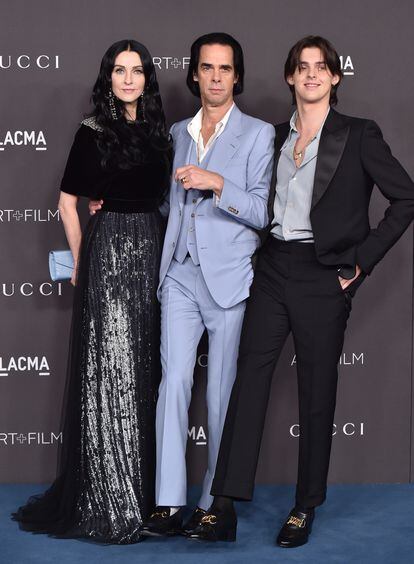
[128, 117]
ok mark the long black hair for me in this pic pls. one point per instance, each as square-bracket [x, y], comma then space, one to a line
[123, 144]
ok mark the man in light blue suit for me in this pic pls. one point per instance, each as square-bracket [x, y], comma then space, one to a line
[218, 199]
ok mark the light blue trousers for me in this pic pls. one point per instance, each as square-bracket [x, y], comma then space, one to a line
[187, 309]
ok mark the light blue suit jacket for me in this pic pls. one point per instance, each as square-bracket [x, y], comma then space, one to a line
[225, 232]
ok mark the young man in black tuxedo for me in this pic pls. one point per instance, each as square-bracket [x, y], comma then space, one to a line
[318, 250]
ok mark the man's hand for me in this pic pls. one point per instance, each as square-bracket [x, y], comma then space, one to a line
[192, 176]
[94, 206]
[345, 283]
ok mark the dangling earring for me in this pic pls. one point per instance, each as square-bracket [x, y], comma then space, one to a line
[142, 107]
[112, 106]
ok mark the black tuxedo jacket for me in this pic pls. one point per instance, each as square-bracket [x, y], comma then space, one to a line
[352, 157]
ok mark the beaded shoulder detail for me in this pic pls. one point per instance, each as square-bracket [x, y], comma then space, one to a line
[91, 122]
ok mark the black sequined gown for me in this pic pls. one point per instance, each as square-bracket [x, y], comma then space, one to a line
[105, 484]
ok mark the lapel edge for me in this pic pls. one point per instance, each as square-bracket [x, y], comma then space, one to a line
[332, 143]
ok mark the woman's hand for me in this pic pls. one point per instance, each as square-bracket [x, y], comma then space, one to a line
[70, 220]
[74, 278]
[94, 206]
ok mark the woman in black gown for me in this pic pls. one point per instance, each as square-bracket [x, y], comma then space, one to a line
[122, 154]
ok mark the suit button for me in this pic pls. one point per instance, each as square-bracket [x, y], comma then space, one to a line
[173, 244]
[179, 213]
[193, 215]
[194, 201]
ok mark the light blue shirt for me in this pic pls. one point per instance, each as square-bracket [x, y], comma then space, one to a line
[294, 189]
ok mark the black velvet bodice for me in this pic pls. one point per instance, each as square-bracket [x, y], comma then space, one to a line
[138, 189]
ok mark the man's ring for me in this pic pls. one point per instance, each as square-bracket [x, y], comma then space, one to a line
[183, 179]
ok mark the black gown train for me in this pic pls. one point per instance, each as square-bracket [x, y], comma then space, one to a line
[105, 481]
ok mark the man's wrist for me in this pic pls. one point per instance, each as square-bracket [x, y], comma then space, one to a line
[218, 186]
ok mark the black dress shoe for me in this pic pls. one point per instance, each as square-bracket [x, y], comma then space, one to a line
[296, 529]
[194, 521]
[161, 523]
[216, 526]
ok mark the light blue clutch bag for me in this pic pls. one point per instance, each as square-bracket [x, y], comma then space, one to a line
[61, 265]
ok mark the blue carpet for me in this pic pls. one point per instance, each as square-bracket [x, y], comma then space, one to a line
[364, 524]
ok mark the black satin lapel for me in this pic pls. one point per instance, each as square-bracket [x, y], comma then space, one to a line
[281, 134]
[330, 151]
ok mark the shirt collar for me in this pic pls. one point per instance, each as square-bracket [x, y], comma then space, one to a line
[194, 126]
[293, 128]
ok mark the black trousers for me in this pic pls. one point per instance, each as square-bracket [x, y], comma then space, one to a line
[291, 291]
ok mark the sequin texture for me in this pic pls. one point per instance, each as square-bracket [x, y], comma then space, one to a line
[121, 375]
[106, 471]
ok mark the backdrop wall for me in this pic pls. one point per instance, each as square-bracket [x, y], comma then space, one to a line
[49, 59]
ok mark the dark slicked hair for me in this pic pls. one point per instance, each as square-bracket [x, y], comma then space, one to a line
[217, 38]
[331, 58]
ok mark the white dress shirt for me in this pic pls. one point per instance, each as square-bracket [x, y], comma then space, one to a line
[194, 129]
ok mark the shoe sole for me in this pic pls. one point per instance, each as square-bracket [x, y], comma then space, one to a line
[292, 545]
[197, 539]
[230, 537]
[166, 534]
